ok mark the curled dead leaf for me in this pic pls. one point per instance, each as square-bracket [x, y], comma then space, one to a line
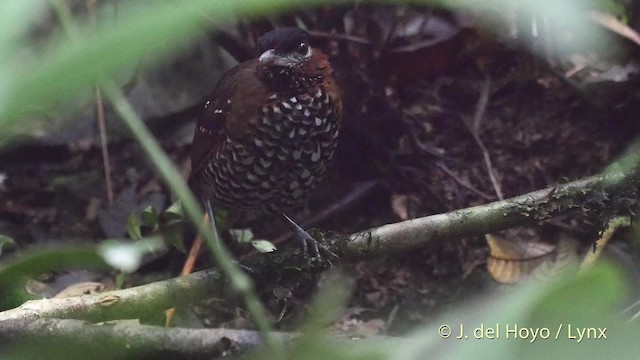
[404, 205]
[511, 262]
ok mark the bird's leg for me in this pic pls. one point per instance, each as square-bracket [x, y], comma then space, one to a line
[307, 240]
[212, 218]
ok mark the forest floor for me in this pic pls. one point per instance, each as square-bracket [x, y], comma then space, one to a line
[414, 143]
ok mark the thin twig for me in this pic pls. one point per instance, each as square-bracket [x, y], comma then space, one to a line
[489, 165]
[463, 183]
[429, 149]
[104, 144]
[474, 128]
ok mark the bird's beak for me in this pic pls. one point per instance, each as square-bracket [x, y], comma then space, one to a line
[271, 58]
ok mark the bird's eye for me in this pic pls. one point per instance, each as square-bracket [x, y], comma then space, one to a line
[303, 48]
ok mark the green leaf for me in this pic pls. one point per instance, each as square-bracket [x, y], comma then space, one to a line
[133, 227]
[330, 301]
[221, 216]
[589, 300]
[15, 18]
[149, 217]
[241, 235]
[173, 233]
[7, 243]
[14, 274]
[119, 280]
[326, 308]
[143, 31]
[263, 246]
[171, 226]
[173, 212]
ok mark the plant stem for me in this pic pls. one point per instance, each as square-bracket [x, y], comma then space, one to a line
[239, 281]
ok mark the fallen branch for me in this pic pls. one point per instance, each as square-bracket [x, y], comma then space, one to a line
[144, 340]
[125, 339]
[131, 303]
[613, 191]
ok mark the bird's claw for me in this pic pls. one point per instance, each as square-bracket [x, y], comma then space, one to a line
[308, 241]
[311, 245]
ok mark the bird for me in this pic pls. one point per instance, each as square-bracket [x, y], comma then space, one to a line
[269, 130]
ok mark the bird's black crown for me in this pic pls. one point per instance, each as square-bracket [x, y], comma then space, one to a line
[283, 40]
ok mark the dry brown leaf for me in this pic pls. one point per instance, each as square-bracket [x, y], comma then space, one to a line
[613, 24]
[510, 262]
[404, 205]
[565, 261]
[79, 289]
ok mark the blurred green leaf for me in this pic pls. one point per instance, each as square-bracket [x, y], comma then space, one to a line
[615, 8]
[104, 49]
[14, 274]
[326, 307]
[221, 216]
[242, 236]
[120, 278]
[149, 217]
[321, 347]
[589, 300]
[174, 212]
[144, 31]
[15, 18]
[133, 227]
[7, 243]
[173, 233]
[330, 301]
[171, 225]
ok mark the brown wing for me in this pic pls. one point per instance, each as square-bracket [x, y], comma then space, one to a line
[228, 112]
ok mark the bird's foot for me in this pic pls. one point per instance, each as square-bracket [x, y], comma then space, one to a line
[311, 245]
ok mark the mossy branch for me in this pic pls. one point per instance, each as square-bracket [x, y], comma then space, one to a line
[613, 191]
